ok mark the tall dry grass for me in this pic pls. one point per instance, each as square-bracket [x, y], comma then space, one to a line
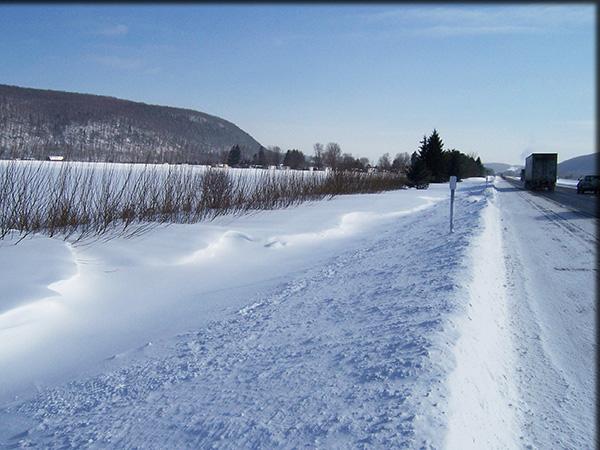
[79, 201]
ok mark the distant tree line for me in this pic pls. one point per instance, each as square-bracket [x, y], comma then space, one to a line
[431, 163]
[324, 156]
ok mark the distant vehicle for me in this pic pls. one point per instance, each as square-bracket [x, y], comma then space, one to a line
[589, 183]
[540, 171]
[56, 158]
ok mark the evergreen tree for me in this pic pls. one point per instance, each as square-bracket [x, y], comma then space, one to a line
[423, 149]
[235, 154]
[287, 158]
[413, 158]
[480, 168]
[454, 164]
[262, 157]
[294, 159]
[431, 162]
[418, 174]
[434, 157]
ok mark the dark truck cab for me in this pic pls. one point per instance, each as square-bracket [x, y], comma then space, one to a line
[540, 171]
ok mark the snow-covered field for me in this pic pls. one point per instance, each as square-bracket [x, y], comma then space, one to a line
[48, 172]
[354, 322]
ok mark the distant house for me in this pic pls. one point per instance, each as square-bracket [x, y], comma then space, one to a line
[56, 158]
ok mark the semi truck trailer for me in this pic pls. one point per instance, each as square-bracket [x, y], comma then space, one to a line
[540, 171]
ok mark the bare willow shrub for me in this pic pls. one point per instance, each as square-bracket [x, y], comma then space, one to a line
[79, 200]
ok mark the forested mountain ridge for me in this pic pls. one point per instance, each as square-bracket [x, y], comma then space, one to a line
[579, 166]
[36, 123]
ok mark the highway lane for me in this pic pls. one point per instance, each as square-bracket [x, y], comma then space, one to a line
[567, 197]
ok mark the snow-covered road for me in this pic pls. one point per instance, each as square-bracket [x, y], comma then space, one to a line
[355, 323]
[551, 264]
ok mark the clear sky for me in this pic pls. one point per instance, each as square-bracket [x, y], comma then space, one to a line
[497, 80]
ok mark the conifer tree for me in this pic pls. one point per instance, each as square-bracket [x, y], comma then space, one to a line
[423, 149]
[480, 168]
[235, 155]
[287, 158]
[294, 159]
[262, 157]
[434, 158]
[454, 166]
[418, 174]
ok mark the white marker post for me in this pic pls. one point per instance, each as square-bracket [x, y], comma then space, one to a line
[452, 189]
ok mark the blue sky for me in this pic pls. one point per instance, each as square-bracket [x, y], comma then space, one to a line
[500, 81]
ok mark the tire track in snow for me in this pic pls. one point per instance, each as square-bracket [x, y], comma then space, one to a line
[552, 317]
[557, 219]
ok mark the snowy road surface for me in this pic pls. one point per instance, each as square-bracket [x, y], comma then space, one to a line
[550, 255]
[354, 323]
[566, 195]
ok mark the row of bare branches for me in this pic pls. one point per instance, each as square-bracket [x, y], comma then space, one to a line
[77, 201]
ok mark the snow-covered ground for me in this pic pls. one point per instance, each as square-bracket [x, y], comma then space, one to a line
[568, 183]
[551, 267]
[355, 322]
[562, 182]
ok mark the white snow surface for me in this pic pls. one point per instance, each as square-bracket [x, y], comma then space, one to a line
[551, 268]
[566, 182]
[482, 387]
[358, 322]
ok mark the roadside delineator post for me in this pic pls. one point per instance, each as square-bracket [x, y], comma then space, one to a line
[452, 189]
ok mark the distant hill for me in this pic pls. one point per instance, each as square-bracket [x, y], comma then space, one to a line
[579, 166]
[499, 168]
[36, 123]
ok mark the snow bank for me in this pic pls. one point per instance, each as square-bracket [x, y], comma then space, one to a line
[481, 411]
[131, 291]
[565, 182]
[334, 339]
[358, 322]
